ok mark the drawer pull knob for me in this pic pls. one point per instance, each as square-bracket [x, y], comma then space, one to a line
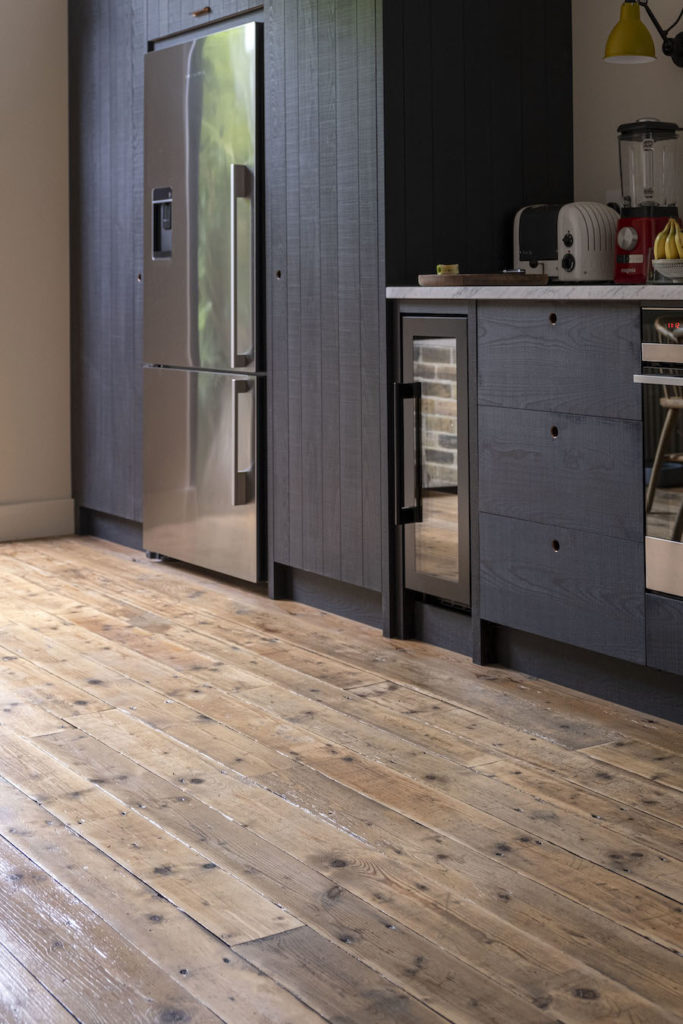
[556, 545]
[553, 318]
[554, 432]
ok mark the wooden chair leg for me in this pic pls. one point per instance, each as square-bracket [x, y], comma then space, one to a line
[659, 457]
[677, 534]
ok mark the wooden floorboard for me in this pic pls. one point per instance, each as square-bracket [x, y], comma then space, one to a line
[252, 811]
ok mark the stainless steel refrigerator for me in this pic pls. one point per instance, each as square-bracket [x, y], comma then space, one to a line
[203, 372]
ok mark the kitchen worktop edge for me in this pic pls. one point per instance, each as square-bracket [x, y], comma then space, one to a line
[552, 292]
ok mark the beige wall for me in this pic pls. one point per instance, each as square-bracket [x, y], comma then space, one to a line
[35, 479]
[607, 95]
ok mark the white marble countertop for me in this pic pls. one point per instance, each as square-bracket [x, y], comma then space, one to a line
[553, 292]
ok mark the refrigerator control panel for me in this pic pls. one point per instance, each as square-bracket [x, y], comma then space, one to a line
[162, 223]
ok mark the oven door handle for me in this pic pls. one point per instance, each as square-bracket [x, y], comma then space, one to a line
[660, 352]
[656, 378]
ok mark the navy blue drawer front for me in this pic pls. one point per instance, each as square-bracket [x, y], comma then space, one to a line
[582, 472]
[570, 357]
[580, 588]
[664, 632]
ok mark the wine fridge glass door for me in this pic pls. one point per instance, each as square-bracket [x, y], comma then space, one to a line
[435, 457]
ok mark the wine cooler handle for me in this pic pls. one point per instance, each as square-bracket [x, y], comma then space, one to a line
[408, 453]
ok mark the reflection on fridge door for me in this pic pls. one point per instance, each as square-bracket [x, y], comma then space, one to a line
[200, 480]
[203, 373]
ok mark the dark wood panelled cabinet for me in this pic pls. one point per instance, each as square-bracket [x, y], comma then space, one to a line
[560, 435]
[168, 17]
[325, 286]
[383, 152]
[664, 616]
[349, 186]
[106, 50]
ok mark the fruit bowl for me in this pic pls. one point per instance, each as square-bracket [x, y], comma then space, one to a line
[673, 269]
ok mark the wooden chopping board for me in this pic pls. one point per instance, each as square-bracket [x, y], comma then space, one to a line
[481, 280]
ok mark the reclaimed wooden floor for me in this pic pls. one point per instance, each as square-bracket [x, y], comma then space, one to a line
[219, 808]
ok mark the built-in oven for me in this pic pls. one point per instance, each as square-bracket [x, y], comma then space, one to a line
[661, 378]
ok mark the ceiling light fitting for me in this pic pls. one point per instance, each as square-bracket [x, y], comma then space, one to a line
[630, 41]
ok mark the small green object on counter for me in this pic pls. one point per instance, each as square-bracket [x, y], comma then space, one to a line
[448, 268]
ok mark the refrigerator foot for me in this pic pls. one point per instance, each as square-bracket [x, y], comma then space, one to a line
[154, 556]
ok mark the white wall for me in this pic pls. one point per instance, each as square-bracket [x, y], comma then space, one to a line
[35, 478]
[607, 95]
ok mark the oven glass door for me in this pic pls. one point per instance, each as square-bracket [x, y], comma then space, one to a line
[662, 382]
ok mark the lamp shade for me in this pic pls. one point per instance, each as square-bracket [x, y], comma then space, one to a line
[629, 42]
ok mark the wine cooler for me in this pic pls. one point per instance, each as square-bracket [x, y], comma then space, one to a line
[432, 457]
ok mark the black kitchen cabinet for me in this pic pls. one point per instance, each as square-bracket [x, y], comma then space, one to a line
[107, 42]
[325, 286]
[560, 434]
[168, 17]
[165, 17]
[664, 616]
[384, 145]
[353, 88]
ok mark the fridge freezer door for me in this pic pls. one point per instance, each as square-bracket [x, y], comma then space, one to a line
[201, 128]
[200, 469]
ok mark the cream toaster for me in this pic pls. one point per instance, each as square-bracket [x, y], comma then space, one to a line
[569, 242]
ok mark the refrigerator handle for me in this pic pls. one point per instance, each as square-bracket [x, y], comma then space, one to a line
[239, 189]
[240, 479]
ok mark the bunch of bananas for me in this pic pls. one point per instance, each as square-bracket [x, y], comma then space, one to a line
[669, 241]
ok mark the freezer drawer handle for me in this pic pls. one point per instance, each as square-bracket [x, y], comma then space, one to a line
[240, 478]
[408, 453]
[239, 189]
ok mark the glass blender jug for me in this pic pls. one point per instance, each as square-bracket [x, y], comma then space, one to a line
[649, 165]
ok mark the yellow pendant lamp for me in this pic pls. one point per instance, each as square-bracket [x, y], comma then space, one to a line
[629, 41]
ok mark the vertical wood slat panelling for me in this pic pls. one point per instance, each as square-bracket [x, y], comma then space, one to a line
[418, 115]
[536, 171]
[276, 286]
[383, 563]
[450, 170]
[329, 306]
[168, 17]
[294, 494]
[157, 18]
[348, 282]
[480, 85]
[79, 101]
[395, 162]
[106, 325]
[140, 37]
[557, 74]
[125, 213]
[333, 331]
[371, 287]
[482, 99]
[504, 125]
[310, 202]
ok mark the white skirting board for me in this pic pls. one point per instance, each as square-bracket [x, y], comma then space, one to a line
[34, 519]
